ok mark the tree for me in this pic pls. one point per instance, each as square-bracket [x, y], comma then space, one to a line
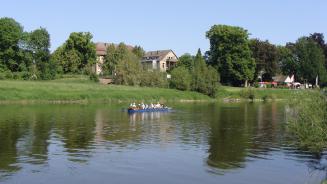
[128, 71]
[187, 61]
[311, 60]
[110, 59]
[287, 61]
[138, 51]
[38, 43]
[319, 38]
[10, 34]
[77, 54]
[204, 78]
[180, 78]
[265, 56]
[230, 54]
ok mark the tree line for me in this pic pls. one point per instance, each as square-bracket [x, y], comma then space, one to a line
[233, 59]
[240, 60]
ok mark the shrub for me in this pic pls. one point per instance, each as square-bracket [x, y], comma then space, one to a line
[8, 74]
[309, 122]
[180, 78]
[94, 77]
[154, 79]
[247, 93]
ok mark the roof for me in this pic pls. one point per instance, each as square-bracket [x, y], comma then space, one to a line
[101, 48]
[280, 78]
[158, 54]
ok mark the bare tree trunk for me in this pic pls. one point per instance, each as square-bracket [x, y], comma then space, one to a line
[246, 84]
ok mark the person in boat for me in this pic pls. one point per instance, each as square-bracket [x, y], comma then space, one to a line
[142, 106]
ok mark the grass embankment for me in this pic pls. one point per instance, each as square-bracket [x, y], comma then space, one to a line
[237, 93]
[308, 122]
[79, 90]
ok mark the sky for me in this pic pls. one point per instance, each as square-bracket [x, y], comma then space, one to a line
[179, 25]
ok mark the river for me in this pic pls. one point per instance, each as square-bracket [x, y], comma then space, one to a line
[196, 143]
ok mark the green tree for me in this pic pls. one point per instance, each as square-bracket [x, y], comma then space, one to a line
[230, 54]
[180, 78]
[138, 51]
[319, 38]
[77, 54]
[128, 71]
[11, 33]
[187, 61]
[38, 44]
[287, 60]
[204, 78]
[265, 55]
[110, 59]
[311, 60]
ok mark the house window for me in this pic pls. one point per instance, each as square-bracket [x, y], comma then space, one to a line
[163, 65]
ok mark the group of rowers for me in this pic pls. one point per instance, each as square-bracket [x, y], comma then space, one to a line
[146, 106]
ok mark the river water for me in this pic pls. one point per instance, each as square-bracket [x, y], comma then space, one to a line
[196, 143]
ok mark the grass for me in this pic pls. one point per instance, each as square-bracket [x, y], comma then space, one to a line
[308, 122]
[81, 89]
[226, 92]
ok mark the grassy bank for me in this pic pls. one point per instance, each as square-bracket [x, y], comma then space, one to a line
[226, 93]
[78, 90]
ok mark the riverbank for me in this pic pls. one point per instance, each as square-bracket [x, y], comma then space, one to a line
[80, 89]
[227, 93]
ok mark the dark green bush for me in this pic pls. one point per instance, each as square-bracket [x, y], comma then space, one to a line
[309, 122]
[247, 93]
[180, 78]
[94, 77]
[154, 79]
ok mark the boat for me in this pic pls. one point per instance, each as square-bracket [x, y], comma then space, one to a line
[164, 109]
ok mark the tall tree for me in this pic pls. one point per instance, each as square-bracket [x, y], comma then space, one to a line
[39, 44]
[230, 54]
[187, 61]
[311, 60]
[319, 38]
[265, 56]
[287, 62]
[77, 53]
[138, 51]
[11, 33]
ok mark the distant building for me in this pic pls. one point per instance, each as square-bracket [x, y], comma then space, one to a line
[101, 52]
[161, 60]
[284, 79]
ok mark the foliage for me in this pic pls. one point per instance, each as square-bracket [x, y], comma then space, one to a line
[187, 61]
[319, 39]
[11, 33]
[76, 54]
[138, 51]
[180, 78]
[230, 54]
[79, 89]
[128, 72]
[309, 122]
[310, 60]
[94, 77]
[265, 56]
[287, 61]
[204, 78]
[154, 79]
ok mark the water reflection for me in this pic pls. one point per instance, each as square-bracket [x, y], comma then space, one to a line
[227, 136]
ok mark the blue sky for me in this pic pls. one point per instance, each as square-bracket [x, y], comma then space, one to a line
[176, 24]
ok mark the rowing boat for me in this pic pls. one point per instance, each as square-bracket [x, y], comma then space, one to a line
[165, 109]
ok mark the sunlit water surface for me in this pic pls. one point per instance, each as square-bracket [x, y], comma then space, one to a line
[196, 143]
